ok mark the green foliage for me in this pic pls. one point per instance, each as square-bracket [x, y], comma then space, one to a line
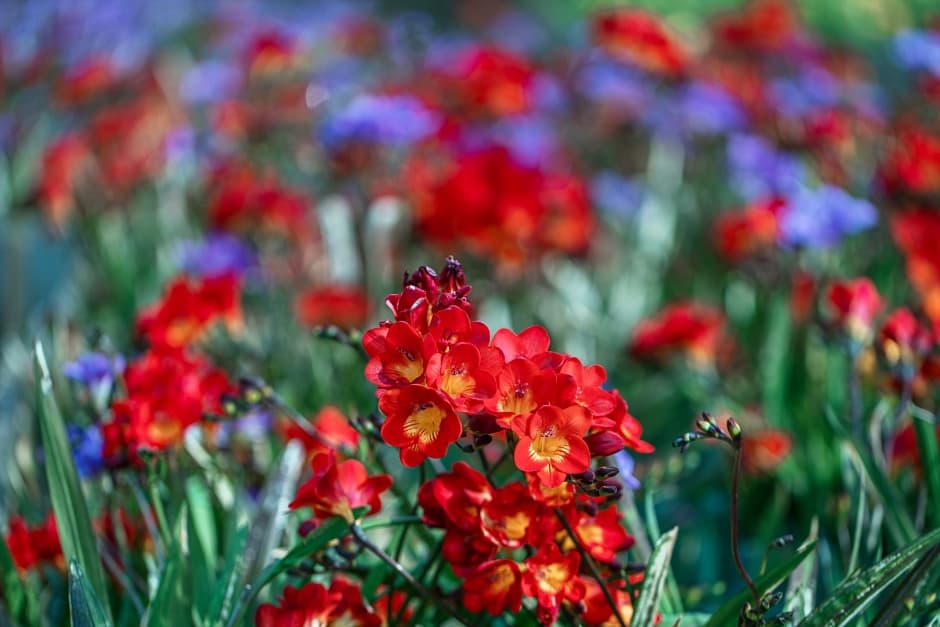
[85, 607]
[654, 581]
[65, 490]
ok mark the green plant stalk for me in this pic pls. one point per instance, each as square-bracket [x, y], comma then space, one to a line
[926, 435]
[419, 588]
[592, 566]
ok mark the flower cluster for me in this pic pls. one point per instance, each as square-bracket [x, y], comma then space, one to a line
[433, 364]
[484, 527]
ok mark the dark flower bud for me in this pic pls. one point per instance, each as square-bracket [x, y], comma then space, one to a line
[734, 430]
[482, 440]
[590, 508]
[307, 527]
[610, 488]
[604, 443]
[606, 472]
[585, 477]
[683, 441]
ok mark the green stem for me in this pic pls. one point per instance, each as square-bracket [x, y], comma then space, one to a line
[423, 592]
[592, 566]
[391, 522]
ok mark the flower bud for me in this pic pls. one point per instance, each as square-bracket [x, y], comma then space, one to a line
[734, 429]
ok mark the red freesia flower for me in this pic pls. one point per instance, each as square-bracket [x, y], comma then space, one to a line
[492, 81]
[742, 234]
[65, 162]
[512, 519]
[459, 375]
[640, 39]
[189, 308]
[854, 304]
[551, 578]
[602, 534]
[916, 233]
[314, 604]
[551, 443]
[399, 355]
[521, 388]
[84, 81]
[337, 489]
[454, 499]
[911, 167]
[690, 328]
[495, 587]
[344, 306]
[31, 546]
[597, 611]
[766, 25]
[419, 421]
[764, 450]
[331, 431]
[903, 339]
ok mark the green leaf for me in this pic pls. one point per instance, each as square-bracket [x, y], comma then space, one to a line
[203, 541]
[226, 588]
[85, 607]
[169, 604]
[68, 501]
[654, 580]
[727, 614]
[926, 433]
[853, 595]
[15, 595]
[689, 619]
[801, 588]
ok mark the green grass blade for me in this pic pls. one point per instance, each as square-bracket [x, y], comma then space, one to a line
[203, 543]
[654, 580]
[854, 594]
[727, 614]
[15, 595]
[68, 500]
[926, 433]
[84, 606]
[170, 604]
[227, 586]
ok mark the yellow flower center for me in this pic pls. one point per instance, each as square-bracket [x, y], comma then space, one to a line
[424, 422]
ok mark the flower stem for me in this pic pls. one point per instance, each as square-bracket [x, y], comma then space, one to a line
[592, 566]
[391, 522]
[736, 553]
[423, 592]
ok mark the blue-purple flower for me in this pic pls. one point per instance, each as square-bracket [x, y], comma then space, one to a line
[217, 255]
[759, 170]
[391, 120]
[918, 50]
[87, 449]
[94, 370]
[625, 464]
[616, 195]
[822, 217]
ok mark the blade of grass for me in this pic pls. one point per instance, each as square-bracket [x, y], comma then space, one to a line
[84, 606]
[169, 603]
[65, 490]
[926, 434]
[654, 580]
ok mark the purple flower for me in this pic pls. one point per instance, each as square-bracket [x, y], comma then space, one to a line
[254, 426]
[94, 369]
[820, 218]
[87, 449]
[530, 139]
[811, 90]
[612, 84]
[759, 170]
[392, 120]
[209, 82]
[216, 255]
[616, 195]
[708, 109]
[625, 464]
[918, 50]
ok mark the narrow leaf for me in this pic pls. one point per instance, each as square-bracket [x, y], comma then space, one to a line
[84, 606]
[169, 604]
[202, 541]
[654, 580]
[926, 433]
[226, 588]
[853, 595]
[68, 500]
[727, 614]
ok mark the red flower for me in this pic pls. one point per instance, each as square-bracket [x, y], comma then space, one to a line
[912, 166]
[764, 450]
[65, 163]
[419, 421]
[691, 328]
[338, 489]
[32, 546]
[551, 443]
[398, 355]
[766, 25]
[529, 343]
[82, 82]
[344, 306]
[551, 578]
[513, 519]
[189, 308]
[454, 499]
[903, 339]
[316, 605]
[916, 233]
[742, 234]
[495, 587]
[493, 81]
[425, 293]
[597, 609]
[521, 388]
[626, 427]
[641, 39]
[459, 375]
[854, 305]
[602, 534]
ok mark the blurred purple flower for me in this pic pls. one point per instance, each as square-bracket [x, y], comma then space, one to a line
[519, 32]
[254, 426]
[612, 84]
[616, 195]
[759, 170]
[812, 89]
[708, 109]
[94, 369]
[530, 139]
[217, 254]
[918, 50]
[393, 120]
[820, 218]
[209, 82]
[625, 464]
[87, 449]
